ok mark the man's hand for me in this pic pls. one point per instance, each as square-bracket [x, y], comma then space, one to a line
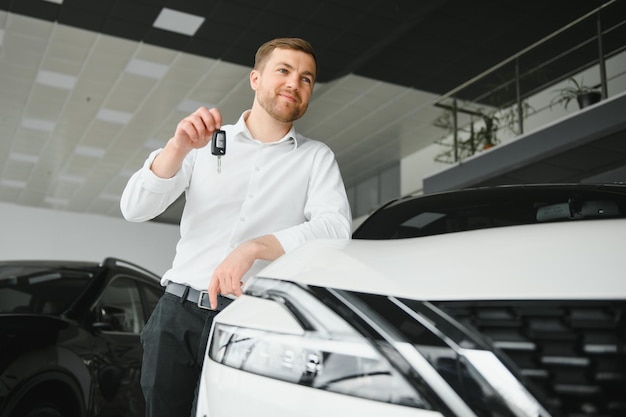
[193, 132]
[227, 276]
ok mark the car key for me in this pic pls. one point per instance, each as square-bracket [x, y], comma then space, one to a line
[218, 147]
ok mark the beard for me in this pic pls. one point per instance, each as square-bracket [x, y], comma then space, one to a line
[279, 109]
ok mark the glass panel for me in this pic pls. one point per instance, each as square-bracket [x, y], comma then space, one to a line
[152, 296]
[37, 290]
[120, 307]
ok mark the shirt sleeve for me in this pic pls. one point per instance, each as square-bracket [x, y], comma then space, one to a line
[327, 209]
[147, 195]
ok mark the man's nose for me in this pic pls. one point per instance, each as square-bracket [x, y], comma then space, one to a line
[293, 81]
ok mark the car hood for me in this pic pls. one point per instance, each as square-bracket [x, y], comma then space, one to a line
[574, 260]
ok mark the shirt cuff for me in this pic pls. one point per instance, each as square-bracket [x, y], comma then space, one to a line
[287, 240]
[150, 181]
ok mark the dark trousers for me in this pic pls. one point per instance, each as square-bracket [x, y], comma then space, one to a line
[174, 343]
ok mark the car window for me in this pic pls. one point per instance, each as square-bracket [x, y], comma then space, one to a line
[40, 290]
[119, 307]
[152, 294]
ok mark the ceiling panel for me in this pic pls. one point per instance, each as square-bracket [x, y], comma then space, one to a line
[382, 64]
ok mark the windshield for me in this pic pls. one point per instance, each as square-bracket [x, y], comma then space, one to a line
[484, 208]
[39, 290]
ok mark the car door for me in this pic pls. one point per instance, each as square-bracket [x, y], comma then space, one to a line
[120, 315]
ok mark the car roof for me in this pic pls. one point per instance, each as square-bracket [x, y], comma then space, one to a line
[48, 263]
[573, 260]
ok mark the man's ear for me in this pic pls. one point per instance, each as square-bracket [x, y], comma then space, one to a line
[254, 79]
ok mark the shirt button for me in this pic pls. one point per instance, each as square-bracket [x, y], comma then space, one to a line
[242, 219]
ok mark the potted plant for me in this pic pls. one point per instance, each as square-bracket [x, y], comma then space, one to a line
[486, 137]
[584, 95]
[468, 141]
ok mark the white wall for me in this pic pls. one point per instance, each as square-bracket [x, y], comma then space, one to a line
[34, 233]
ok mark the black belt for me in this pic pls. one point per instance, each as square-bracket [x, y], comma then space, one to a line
[200, 298]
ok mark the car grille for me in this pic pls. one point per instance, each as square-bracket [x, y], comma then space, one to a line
[573, 353]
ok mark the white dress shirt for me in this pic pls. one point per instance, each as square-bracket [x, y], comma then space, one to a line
[291, 188]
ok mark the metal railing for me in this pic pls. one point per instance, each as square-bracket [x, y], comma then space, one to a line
[497, 99]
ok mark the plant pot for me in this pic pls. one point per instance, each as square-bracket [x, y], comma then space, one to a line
[587, 99]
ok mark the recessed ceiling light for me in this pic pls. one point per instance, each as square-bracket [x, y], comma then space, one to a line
[179, 22]
[71, 178]
[23, 157]
[12, 183]
[89, 151]
[38, 124]
[56, 201]
[153, 143]
[110, 197]
[127, 173]
[190, 106]
[56, 79]
[146, 68]
[114, 116]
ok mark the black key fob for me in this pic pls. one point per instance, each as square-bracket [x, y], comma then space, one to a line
[218, 143]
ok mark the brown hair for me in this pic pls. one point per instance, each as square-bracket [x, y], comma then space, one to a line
[296, 44]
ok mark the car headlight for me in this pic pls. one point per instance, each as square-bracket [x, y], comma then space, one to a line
[329, 356]
[304, 359]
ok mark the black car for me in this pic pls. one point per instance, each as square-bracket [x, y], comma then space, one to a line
[69, 337]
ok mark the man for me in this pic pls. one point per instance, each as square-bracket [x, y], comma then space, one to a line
[276, 189]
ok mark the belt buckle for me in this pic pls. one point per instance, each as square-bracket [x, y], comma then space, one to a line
[201, 297]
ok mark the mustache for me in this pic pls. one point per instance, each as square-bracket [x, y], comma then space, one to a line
[290, 93]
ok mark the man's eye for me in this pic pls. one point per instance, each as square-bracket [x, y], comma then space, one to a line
[283, 70]
[307, 80]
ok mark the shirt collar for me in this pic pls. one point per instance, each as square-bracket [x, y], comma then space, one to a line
[241, 132]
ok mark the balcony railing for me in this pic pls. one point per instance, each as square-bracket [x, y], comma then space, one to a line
[535, 86]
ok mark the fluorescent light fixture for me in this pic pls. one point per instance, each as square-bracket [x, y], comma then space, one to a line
[90, 151]
[56, 201]
[38, 124]
[12, 183]
[179, 22]
[54, 1]
[1, 36]
[71, 178]
[127, 173]
[114, 116]
[146, 68]
[110, 197]
[56, 79]
[154, 143]
[23, 157]
[190, 106]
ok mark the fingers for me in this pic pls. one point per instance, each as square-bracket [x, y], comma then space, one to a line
[229, 285]
[223, 285]
[217, 117]
[227, 277]
[214, 290]
[199, 126]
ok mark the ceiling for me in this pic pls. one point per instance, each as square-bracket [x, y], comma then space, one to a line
[89, 88]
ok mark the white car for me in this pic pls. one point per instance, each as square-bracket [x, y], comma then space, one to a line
[519, 314]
